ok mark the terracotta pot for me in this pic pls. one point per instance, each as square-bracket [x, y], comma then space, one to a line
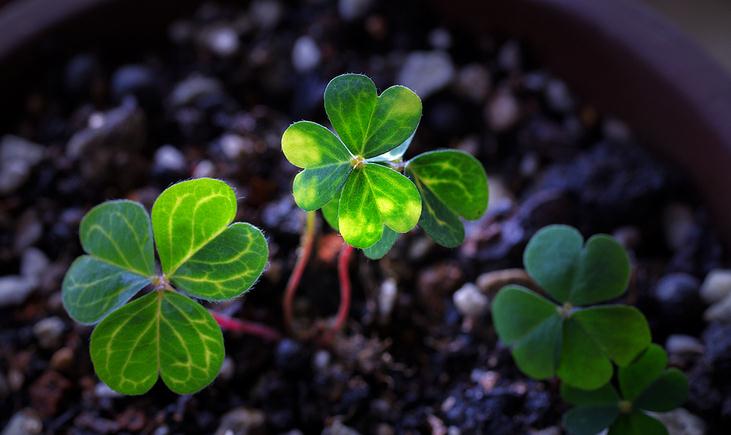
[619, 54]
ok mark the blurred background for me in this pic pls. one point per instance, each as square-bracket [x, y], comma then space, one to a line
[612, 116]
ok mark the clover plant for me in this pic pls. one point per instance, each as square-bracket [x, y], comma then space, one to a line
[560, 333]
[202, 254]
[644, 385]
[357, 177]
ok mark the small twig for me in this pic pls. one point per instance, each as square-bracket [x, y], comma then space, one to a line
[303, 256]
[251, 328]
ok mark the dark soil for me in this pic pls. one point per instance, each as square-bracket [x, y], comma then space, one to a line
[218, 104]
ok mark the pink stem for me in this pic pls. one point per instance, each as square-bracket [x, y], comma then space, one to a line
[306, 243]
[345, 289]
[230, 324]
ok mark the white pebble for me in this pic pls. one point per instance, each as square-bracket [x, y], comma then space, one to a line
[716, 286]
[426, 72]
[305, 54]
[470, 301]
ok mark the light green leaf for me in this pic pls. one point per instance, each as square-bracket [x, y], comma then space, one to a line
[551, 259]
[227, 266]
[621, 344]
[325, 159]
[456, 178]
[330, 212]
[637, 423]
[439, 223]
[637, 376]
[375, 195]
[668, 392]
[119, 233]
[602, 273]
[93, 288]
[368, 124]
[187, 216]
[583, 364]
[605, 395]
[162, 332]
[589, 420]
[381, 248]
[532, 325]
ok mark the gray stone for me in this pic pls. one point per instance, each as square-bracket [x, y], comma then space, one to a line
[25, 422]
[440, 38]
[353, 9]
[681, 422]
[426, 72]
[241, 421]
[558, 96]
[338, 428]
[719, 311]
[305, 54]
[221, 40]
[266, 13]
[49, 331]
[169, 158]
[717, 285]
[503, 111]
[387, 296]
[470, 301]
[14, 290]
[33, 264]
[683, 345]
[17, 158]
[192, 88]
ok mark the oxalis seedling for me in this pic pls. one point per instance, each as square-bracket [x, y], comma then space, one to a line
[561, 335]
[644, 385]
[164, 332]
[357, 176]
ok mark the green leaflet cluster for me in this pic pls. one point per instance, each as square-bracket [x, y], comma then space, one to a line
[163, 333]
[354, 177]
[570, 337]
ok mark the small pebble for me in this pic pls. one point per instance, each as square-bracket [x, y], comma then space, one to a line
[17, 158]
[717, 285]
[426, 72]
[305, 54]
[242, 421]
[502, 111]
[25, 422]
[204, 168]
[558, 97]
[440, 38]
[470, 301]
[719, 311]
[228, 369]
[678, 224]
[49, 331]
[509, 57]
[170, 159]
[195, 87]
[103, 391]
[222, 40]
[266, 13]
[681, 422]
[62, 359]
[321, 360]
[473, 81]
[33, 264]
[351, 10]
[338, 428]
[139, 81]
[234, 145]
[14, 290]
[683, 344]
[387, 295]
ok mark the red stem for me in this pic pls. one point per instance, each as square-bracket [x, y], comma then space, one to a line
[306, 244]
[230, 324]
[345, 289]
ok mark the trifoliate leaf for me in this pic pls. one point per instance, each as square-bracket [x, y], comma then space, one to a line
[375, 196]
[637, 376]
[225, 267]
[589, 420]
[330, 212]
[605, 395]
[637, 423]
[93, 288]
[368, 124]
[161, 332]
[381, 248]
[189, 215]
[666, 393]
[551, 258]
[324, 158]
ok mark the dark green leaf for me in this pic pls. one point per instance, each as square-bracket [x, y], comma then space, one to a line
[119, 233]
[187, 216]
[605, 395]
[602, 273]
[324, 158]
[620, 331]
[551, 259]
[227, 266]
[637, 376]
[589, 420]
[93, 288]
[583, 363]
[381, 248]
[330, 212]
[637, 423]
[668, 392]
[439, 223]
[532, 324]
[161, 332]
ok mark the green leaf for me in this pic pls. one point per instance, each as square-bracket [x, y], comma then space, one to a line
[605, 395]
[187, 216]
[439, 223]
[396, 154]
[637, 423]
[375, 195]
[589, 420]
[227, 266]
[325, 160]
[381, 248]
[368, 124]
[119, 233]
[668, 392]
[532, 324]
[456, 179]
[330, 212]
[162, 332]
[93, 288]
[551, 259]
[603, 271]
[591, 338]
[637, 376]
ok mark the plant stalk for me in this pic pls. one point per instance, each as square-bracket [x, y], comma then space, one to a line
[305, 251]
[345, 288]
[230, 324]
